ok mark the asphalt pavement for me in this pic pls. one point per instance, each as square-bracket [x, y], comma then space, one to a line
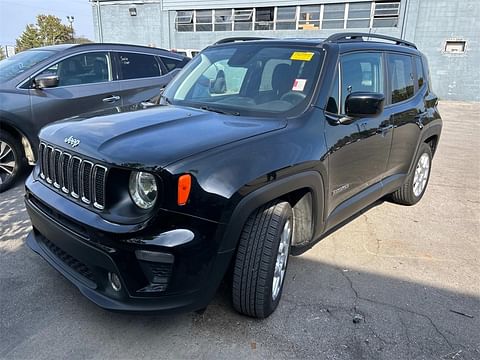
[395, 283]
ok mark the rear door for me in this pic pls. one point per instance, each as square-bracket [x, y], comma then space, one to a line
[141, 76]
[85, 84]
[406, 109]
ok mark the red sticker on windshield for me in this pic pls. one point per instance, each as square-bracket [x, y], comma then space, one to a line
[299, 84]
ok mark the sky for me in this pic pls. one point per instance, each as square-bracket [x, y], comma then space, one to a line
[16, 14]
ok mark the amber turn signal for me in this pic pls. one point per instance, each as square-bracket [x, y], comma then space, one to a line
[184, 185]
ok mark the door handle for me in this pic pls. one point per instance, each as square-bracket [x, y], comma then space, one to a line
[384, 129]
[111, 99]
[419, 119]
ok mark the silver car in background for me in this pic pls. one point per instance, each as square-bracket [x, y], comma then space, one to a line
[42, 85]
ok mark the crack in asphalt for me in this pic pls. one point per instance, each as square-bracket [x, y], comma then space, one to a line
[358, 297]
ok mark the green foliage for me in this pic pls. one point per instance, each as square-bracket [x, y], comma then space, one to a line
[2, 53]
[48, 30]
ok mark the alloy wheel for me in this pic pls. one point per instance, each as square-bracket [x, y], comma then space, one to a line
[282, 259]
[7, 161]
[421, 174]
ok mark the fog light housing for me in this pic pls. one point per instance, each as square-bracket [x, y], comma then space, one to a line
[115, 282]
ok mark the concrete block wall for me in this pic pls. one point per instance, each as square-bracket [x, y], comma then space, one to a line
[428, 23]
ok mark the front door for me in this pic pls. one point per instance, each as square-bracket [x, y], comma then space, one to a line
[358, 152]
[84, 84]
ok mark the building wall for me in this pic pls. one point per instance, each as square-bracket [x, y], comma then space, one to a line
[428, 23]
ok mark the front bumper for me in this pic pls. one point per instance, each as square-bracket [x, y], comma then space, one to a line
[163, 273]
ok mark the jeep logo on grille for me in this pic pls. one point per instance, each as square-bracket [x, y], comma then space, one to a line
[72, 141]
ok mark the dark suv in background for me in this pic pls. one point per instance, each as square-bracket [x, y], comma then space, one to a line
[46, 84]
[261, 148]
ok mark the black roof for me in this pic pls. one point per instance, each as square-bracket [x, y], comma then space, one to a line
[346, 42]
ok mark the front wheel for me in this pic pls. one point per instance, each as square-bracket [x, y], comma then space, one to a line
[262, 259]
[11, 160]
[416, 183]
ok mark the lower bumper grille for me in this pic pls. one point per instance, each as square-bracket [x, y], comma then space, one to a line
[70, 261]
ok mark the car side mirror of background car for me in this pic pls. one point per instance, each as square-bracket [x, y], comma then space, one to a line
[45, 81]
[364, 104]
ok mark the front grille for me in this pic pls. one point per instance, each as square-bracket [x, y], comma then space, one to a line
[79, 178]
[70, 261]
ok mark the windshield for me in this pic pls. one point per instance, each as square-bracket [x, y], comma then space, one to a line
[15, 65]
[249, 79]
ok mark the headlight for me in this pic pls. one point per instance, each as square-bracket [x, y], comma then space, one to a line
[143, 189]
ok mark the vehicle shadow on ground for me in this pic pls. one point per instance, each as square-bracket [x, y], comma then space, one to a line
[326, 312]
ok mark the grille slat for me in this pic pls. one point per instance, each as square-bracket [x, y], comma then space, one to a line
[77, 177]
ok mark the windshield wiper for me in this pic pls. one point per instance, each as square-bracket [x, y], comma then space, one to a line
[219, 111]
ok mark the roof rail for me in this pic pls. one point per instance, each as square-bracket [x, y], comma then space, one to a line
[353, 36]
[243, 38]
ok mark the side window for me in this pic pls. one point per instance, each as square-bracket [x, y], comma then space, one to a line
[420, 74]
[136, 66]
[332, 104]
[361, 72]
[81, 69]
[400, 70]
[172, 64]
[267, 74]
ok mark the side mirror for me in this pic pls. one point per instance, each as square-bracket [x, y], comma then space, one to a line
[364, 104]
[45, 81]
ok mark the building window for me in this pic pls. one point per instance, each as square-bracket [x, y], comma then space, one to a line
[242, 19]
[359, 15]
[455, 46]
[264, 18]
[386, 14]
[333, 16]
[223, 20]
[203, 20]
[362, 14]
[286, 18]
[309, 17]
[184, 20]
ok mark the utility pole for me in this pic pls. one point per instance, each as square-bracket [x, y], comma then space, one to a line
[70, 20]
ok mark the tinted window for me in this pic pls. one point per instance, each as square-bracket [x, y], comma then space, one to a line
[81, 69]
[333, 101]
[401, 77]
[361, 72]
[420, 74]
[171, 64]
[135, 66]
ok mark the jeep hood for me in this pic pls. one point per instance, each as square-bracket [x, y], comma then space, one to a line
[153, 137]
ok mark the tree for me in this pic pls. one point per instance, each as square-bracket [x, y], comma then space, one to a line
[48, 30]
[81, 40]
[2, 53]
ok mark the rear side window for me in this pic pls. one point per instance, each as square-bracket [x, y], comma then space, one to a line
[361, 72]
[400, 70]
[136, 66]
[172, 64]
[420, 74]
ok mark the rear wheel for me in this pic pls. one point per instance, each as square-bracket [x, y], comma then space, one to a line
[11, 161]
[416, 183]
[262, 259]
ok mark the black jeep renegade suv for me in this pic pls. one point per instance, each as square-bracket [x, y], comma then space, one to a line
[258, 149]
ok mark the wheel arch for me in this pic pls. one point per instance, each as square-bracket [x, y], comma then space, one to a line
[294, 189]
[25, 142]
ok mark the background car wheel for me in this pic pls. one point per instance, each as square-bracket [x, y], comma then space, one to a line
[414, 187]
[262, 259]
[11, 161]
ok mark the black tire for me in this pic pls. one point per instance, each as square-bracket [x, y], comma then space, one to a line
[253, 273]
[405, 195]
[11, 152]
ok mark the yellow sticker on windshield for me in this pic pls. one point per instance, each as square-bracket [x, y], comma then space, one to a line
[302, 56]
